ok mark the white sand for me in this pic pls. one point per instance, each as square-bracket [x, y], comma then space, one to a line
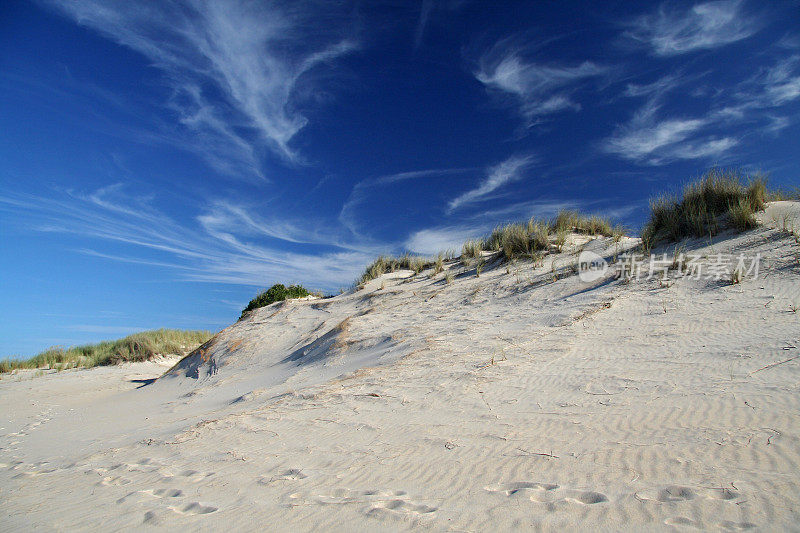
[492, 403]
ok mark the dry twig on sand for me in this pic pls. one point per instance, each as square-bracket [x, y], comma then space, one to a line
[774, 364]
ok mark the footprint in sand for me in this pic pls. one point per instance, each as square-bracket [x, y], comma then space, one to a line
[151, 519]
[195, 508]
[721, 493]
[113, 481]
[681, 521]
[521, 487]
[399, 507]
[168, 493]
[194, 476]
[727, 525]
[392, 503]
[135, 496]
[586, 497]
[293, 474]
[339, 496]
[547, 493]
[670, 493]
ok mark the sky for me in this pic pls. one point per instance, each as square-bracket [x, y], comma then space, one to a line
[160, 162]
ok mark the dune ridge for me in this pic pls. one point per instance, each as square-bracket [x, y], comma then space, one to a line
[522, 397]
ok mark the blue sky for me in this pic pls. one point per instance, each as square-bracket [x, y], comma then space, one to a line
[161, 161]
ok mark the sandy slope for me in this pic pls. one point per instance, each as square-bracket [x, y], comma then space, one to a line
[520, 398]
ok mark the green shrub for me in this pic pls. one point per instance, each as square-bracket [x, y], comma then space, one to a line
[276, 293]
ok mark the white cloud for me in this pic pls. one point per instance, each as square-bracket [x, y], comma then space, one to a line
[227, 244]
[434, 240]
[653, 138]
[497, 176]
[650, 140]
[704, 26]
[363, 191]
[234, 67]
[656, 89]
[708, 148]
[430, 241]
[539, 89]
[782, 82]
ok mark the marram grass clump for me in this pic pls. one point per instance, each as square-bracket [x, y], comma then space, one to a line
[523, 239]
[384, 264]
[276, 293]
[510, 241]
[718, 198]
[137, 347]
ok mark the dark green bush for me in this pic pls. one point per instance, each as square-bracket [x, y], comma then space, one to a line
[276, 293]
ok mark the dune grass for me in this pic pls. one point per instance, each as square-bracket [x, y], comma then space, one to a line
[525, 239]
[276, 293]
[384, 264]
[719, 198]
[137, 347]
[511, 241]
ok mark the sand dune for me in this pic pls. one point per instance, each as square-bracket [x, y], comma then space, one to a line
[522, 398]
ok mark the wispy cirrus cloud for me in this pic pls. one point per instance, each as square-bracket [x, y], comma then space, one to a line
[778, 85]
[429, 241]
[655, 137]
[647, 138]
[234, 68]
[223, 244]
[537, 88]
[672, 30]
[365, 189]
[509, 170]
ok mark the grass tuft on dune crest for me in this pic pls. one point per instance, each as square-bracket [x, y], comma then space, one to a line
[521, 239]
[137, 347]
[720, 196]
